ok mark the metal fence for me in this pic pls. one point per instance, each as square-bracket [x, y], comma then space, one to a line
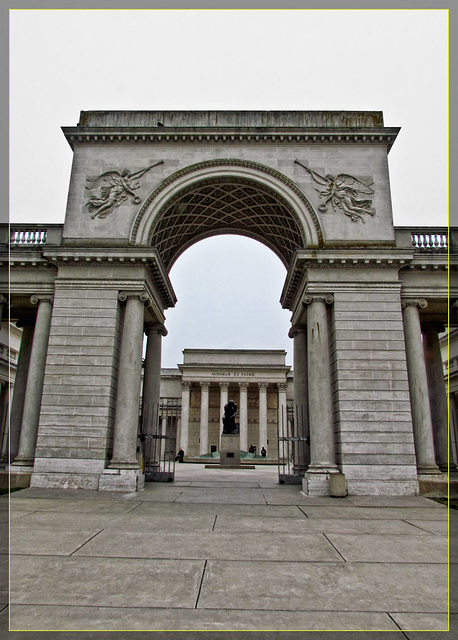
[293, 445]
[158, 440]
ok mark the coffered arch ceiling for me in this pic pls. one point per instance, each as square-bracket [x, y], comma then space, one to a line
[226, 205]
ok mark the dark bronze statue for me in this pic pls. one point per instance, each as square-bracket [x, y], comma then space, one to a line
[230, 413]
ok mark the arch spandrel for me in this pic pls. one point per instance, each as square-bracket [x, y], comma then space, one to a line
[226, 196]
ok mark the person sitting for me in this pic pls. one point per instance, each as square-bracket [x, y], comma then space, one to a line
[180, 456]
[263, 452]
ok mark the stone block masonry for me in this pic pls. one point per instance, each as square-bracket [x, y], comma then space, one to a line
[77, 414]
[373, 425]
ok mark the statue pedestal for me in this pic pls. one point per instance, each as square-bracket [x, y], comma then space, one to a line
[230, 450]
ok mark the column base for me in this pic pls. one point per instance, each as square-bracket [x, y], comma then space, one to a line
[128, 480]
[316, 482]
[429, 470]
[23, 462]
[124, 464]
[15, 479]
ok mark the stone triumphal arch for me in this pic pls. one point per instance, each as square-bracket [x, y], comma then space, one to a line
[314, 188]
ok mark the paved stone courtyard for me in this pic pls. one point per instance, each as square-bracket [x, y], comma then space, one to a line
[226, 550]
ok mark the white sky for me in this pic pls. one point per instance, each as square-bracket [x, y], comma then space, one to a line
[65, 61]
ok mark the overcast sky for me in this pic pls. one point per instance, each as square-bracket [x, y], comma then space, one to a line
[66, 61]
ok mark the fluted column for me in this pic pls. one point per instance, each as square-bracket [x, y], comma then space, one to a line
[20, 386]
[262, 416]
[185, 401]
[35, 379]
[282, 417]
[301, 409]
[152, 371]
[322, 447]
[418, 387]
[437, 392]
[129, 382]
[243, 416]
[223, 397]
[204, 386]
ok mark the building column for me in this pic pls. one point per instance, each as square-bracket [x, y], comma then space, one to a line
[35, 379]
[243, 416]
[437, 392]
[130, 373]
[418, 388]
[301, 410]
[262, 416]
[322, 446]
[204, 386]
[223, 398]
[282, 417]
[453, 428]
[185, 402]
[152, 374]
[20, 386]
[2, 306]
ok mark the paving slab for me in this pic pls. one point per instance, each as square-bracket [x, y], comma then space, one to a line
[423, 621]
[316, 586]
[75, 618]
[317, 525]
[115, 582]
[76, 506]
[48, 540]
[390, 548]
[440, 527]
[183, 508]
[222, 496]
[394, 501]
[3, 578]
[240, 546]
[142, 522]
[395, 513]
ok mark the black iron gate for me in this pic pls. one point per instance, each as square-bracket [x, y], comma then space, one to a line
[158, 438]
[293, 445]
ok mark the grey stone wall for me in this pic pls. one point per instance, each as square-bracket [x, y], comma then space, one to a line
[373, 426]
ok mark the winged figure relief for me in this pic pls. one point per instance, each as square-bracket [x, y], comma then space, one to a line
[114, 188]
[343, 192]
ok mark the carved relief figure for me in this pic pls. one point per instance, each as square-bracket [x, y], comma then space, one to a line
[115, 188]
[342, 192]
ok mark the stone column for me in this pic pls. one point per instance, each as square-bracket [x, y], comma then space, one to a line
[243, 416]
[301, 410]
[453, 428]
[20, 386]
[322, 447]
[185, 401]
[163, 433]
[35, 379]
[223, 398]
[282, 417]
[130, 372]
[204, 386]
[418, 388]
[2, 305]
[437, 392]
[262, 416]
[152, 371]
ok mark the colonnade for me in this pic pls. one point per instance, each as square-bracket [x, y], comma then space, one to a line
[242, 412]
[312, 392]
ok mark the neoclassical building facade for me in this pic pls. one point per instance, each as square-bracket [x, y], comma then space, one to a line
[367, 300]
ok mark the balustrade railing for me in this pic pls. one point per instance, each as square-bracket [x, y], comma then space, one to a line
[27, 237]
[430, 240]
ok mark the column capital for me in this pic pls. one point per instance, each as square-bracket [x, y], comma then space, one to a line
[262, 386]
[224, 385]
[297, 329]
[282, 386]
[204, 384]
[243, 385]
[414, 302]
[185, 384]
[433, 326]
[155, 327]
[126, 295]
[326, 298]
[38, 299]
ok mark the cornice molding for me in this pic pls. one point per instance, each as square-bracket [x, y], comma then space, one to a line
[77, 136]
